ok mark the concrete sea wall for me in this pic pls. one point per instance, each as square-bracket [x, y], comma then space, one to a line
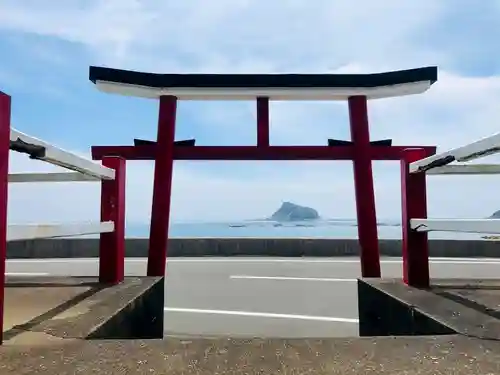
[282, 247]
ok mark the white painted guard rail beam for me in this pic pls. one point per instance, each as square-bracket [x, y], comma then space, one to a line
[50, 177]
[489, 226]
[62, 158]
[484, 147]
[465, 169]
[31, 232]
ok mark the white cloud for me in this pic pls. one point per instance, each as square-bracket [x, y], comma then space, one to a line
[265, 35]
[195, 194]
[258, 36]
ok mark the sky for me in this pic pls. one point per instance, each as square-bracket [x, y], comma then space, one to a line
[47, 47]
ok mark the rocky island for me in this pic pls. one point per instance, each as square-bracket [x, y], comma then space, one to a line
[496, 215]
[293, 212]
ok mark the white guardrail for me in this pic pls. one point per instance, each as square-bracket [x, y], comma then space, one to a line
[83, 170]
[451, 163]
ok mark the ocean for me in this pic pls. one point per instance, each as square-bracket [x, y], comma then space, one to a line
[331, 228]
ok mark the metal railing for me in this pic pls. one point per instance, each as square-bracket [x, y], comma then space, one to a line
[111, 174]
[416, 225]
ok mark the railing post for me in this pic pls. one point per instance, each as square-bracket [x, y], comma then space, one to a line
[414, 206]
[112, 245]
[5, 107]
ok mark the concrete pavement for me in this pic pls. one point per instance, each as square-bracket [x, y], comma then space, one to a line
[279, 297]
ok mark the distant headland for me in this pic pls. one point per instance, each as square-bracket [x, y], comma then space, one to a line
[293, 212]
[496, 215]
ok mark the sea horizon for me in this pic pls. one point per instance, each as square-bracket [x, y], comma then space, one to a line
[334, 228]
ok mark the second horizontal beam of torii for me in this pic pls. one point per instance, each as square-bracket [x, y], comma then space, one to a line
[181, 152]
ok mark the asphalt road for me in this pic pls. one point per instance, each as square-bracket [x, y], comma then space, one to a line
[279, 297]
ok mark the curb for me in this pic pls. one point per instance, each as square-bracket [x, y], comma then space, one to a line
[223, 247]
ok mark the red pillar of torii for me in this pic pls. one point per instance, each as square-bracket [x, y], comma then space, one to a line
[357, 89]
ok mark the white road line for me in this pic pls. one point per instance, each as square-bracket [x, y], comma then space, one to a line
[258, 260]
[247, 277]
[27, 274]
[262, 315]
[330, 260]
[69, 260]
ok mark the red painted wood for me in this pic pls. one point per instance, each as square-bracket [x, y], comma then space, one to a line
[5, 113]
[363, 187]
[164, 153]
[262, 122]
[255, 153]
[414, 206]
[162, 187]
[112, 245]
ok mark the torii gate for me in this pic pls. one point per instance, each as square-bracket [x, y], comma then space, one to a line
[355, 88]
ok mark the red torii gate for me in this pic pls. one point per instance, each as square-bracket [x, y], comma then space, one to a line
[355, 88]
